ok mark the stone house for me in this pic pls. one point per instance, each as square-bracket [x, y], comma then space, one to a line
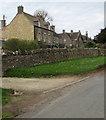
[27, 27]
[73, 39]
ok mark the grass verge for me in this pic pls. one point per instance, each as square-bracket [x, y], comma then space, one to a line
[73, 66]
[5, 98]
[7, 115]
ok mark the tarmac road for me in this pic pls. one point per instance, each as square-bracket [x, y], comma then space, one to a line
[86, 100]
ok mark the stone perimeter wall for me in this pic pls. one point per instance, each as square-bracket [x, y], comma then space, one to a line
[32, 58]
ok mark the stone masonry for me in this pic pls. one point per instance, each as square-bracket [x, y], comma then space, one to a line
[33, 58]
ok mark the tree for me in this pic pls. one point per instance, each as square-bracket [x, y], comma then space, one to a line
[43, 14]
[101, 37]
[90, 44]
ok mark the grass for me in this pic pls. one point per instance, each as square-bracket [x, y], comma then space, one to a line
[74, 66]
[7, 115]
[5, 97]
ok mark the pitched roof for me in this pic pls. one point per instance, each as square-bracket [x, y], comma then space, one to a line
[71, 36]
[30, 17]
[56, 35]
[84, 37]
[33, 18]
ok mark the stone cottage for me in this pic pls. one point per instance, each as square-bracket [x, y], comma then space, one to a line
[73, 39]
[27, 27]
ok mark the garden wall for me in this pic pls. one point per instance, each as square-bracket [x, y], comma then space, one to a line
[32, 58]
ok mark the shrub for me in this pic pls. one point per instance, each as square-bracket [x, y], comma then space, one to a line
[90, 44]
[7, 115]
[103, 46]
[15, 44]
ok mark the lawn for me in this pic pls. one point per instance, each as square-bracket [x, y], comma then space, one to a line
[73, 66]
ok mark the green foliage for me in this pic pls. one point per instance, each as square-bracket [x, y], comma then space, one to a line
[7, 115]
[103, 46]
[90, 44]
[74, 66]
[15, 44]
[5, 96]
[101, 37]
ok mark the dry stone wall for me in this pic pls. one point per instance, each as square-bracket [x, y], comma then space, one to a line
[33, 58]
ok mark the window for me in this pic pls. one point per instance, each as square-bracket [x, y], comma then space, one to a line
[39, 39]
[47, 26]
[70, 45]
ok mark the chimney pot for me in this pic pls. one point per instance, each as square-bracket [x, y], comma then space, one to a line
[71, 31]
[86, 34]
[63, 31]
[20, 9]
[4, 17]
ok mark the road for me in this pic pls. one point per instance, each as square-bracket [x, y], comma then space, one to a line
[85, 100]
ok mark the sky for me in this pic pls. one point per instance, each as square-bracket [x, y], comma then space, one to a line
[83, 16]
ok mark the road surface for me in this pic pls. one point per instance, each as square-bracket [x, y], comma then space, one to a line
[85, 101]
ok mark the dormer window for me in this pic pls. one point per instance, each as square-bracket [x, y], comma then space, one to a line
[37, 23]
[46, 26]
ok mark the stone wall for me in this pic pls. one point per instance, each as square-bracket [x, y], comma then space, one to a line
[32, 58]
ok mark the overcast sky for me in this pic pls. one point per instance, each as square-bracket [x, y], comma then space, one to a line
[84, 16]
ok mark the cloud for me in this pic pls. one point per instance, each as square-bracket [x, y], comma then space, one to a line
[53, 1]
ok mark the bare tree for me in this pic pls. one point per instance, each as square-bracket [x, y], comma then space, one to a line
[44, 14]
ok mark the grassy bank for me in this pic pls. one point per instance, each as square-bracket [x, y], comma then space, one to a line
[74, 66]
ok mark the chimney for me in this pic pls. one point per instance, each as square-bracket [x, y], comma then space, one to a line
[20, 9]
[2, 22]
[4, 17]
[63, 31]
[86, 34]
[71, 31]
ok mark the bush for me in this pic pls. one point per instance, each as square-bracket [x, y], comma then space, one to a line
[7, 115]
[103, 46]
[90, 44]
[15, 44]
